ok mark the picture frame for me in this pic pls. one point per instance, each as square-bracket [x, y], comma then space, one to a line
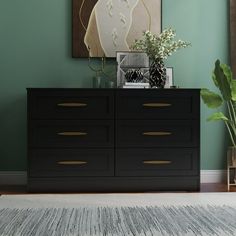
[137, 62]
[102, 27]
[131, 61]
[169, 77]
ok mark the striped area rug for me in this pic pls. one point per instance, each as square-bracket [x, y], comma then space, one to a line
[118, 214]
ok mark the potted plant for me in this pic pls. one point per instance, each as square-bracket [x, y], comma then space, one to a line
[158, 48]
[223, 80]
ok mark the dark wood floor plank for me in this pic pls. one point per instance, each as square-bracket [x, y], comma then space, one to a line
[215, 187]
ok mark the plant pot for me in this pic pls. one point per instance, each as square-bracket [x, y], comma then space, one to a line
[157, 77]
[231, 154]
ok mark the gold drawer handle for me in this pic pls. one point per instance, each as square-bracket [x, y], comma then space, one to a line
[72, 133]
[72, 162]
[72, 104]
[157, 133]
[157, 104]
[156, 162]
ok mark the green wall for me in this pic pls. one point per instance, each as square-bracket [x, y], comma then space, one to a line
[35, 51]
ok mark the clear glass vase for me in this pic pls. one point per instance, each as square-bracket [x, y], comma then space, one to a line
[97, 82]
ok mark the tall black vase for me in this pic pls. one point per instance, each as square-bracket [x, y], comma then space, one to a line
[157, 71]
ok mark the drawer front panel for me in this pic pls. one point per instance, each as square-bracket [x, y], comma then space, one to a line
[46, 133]
[71, 162]
[149, 133]
[78, 104]
[158, 104]
[157, 162]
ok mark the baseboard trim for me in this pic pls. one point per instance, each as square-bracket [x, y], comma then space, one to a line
[213, 176]
[20, 177]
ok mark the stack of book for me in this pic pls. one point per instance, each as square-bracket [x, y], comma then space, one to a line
[136, 85]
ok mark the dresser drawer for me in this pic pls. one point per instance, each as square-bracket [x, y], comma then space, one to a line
[70, 104]
[74, 133]
[157, 104]
[71, 162]
[159, 133]
[157, 162]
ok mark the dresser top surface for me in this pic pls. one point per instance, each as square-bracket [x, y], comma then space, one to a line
[116, 89]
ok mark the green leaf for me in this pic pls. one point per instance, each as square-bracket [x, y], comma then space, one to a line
[214, 79]
[227, 71]
[222, 81]
[211, 99]
[233, 89]
[217, 116]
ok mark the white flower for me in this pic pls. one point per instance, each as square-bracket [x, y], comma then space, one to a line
[159, 47]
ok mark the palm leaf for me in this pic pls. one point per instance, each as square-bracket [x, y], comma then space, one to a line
[211, 99]
[233, 89]
[222, 81]
[217, 116]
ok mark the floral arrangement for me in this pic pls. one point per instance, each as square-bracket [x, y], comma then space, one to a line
[159, 47]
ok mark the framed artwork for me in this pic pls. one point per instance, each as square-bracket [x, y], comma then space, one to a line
[132, 59]
[103, 27]
[169, 77]
[132, 67]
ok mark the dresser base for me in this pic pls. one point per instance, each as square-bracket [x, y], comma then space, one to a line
[117, 184]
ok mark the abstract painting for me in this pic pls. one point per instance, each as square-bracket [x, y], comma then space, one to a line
[103, 27]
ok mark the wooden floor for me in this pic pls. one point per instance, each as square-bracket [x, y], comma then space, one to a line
[204, 188]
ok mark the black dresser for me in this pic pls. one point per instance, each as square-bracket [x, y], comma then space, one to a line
[111, 140]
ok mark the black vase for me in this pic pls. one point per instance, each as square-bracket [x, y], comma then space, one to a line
[157, 71]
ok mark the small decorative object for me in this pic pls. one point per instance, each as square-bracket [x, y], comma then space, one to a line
[169, 77]
[97, 79]
[157, 72]
[104, 74]
[97, 82]
[132, 59]
[134, 76]
[136, 85]
[132, 67]
[158, 48]
[110, 84]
